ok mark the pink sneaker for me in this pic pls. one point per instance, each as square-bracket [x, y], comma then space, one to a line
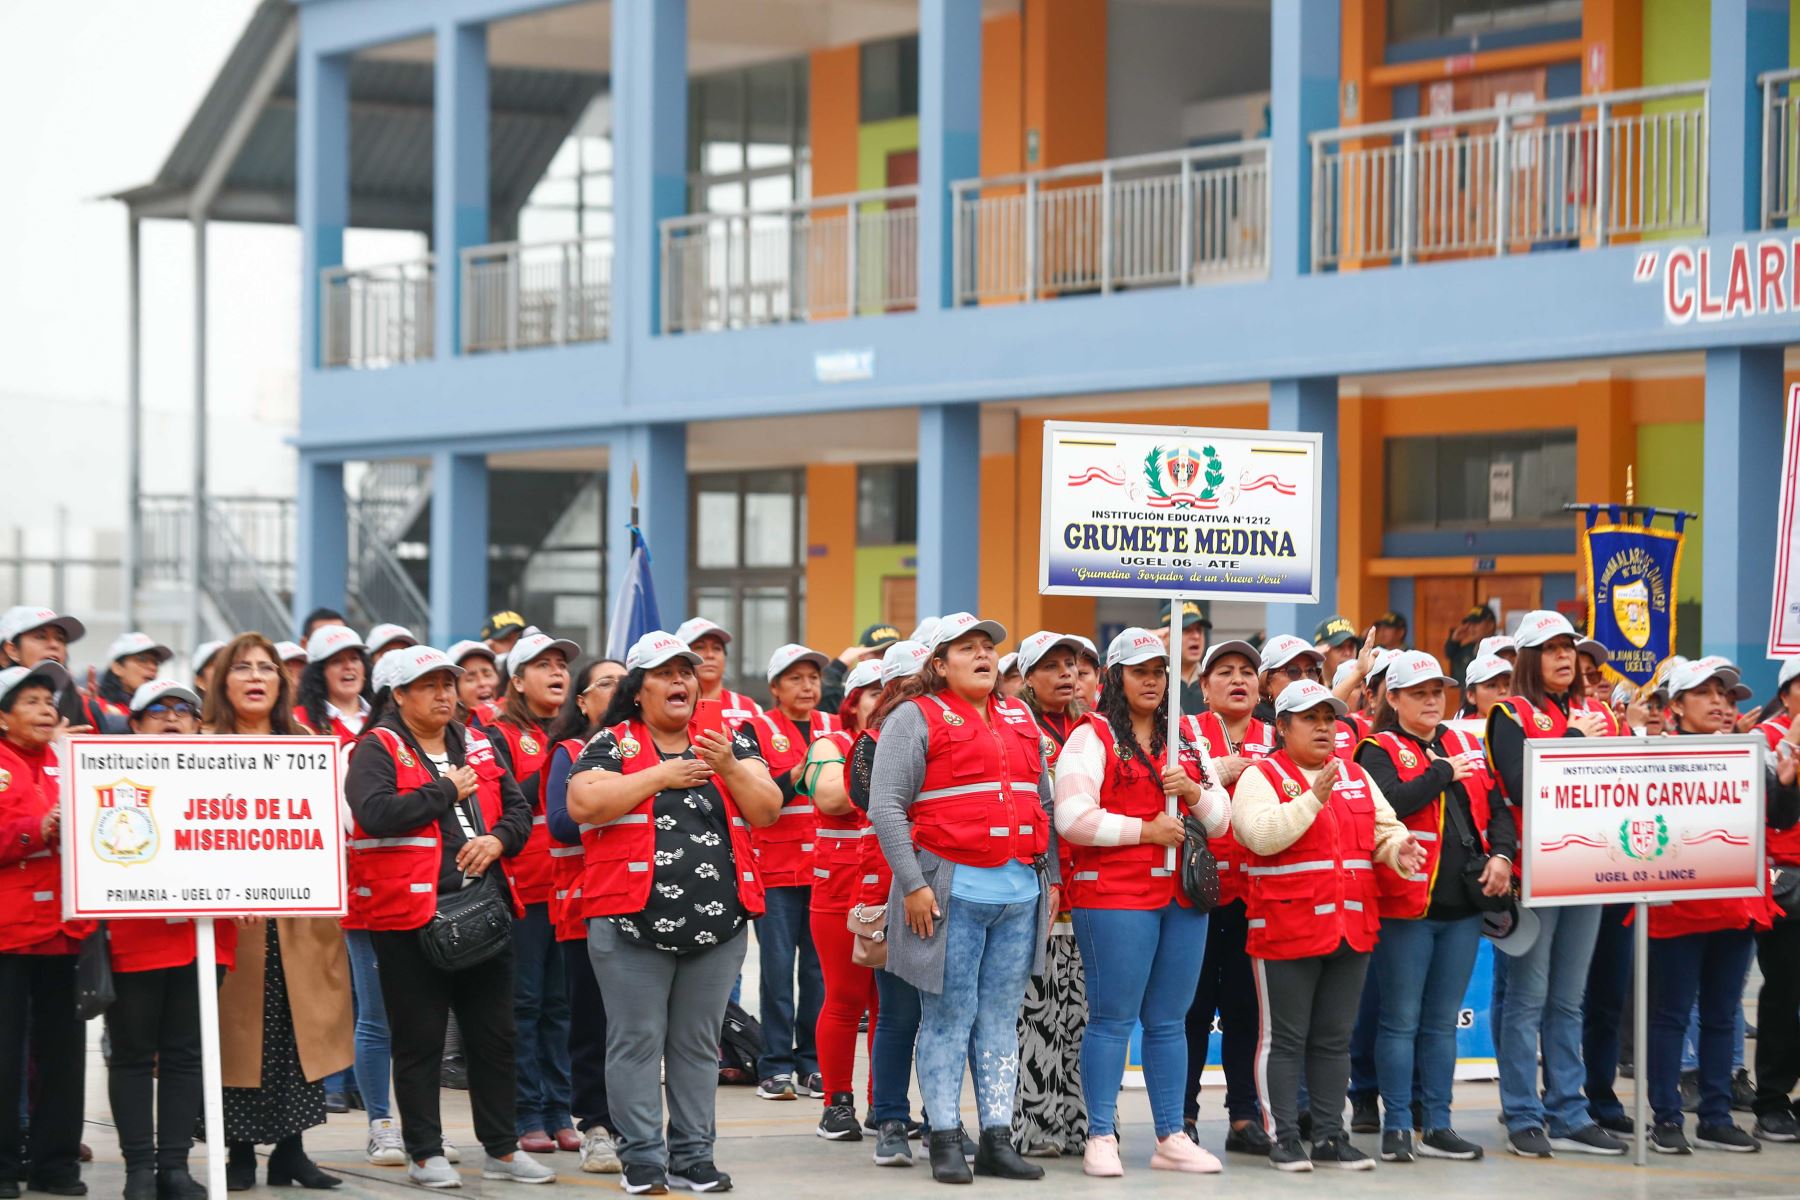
[1102, 1157]
[1177, 1152]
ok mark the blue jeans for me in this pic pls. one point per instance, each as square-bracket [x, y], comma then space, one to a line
[541, 1017]
[1142, 965]
[783, 932]
[891, 1061]
[1424, 966]
[1710, 967]
[1544, 989]
[987, 961]
[1690, 1045]
[374, 1051]
[1364, 1083]
[1608, 1004]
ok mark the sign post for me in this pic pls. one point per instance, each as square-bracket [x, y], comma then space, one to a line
[1642, 821]
[1784, 620]
[202, 828]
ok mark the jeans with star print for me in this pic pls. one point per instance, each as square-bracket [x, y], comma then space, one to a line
[988, 950]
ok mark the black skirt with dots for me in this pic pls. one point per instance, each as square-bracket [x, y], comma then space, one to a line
[287, 1102]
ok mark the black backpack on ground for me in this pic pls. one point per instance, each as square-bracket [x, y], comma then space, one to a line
[740, 1046]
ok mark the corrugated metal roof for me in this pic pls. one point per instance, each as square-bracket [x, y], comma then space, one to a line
[531, 112]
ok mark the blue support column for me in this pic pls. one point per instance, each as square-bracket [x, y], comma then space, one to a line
[1311, 406]
[459, 170]
[1743, 468]
[649, 90]
[949, 546]
[322, 188]
[949, 134]
[1748, 38]
[322, 539]
[1303, 73]
[660, 454]
[459, 546]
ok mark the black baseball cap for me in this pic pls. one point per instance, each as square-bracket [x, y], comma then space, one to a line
[1393, 619]
[879, 636]
[501, 624]
[1479, 613]
[1335, 630]
[1193, 612]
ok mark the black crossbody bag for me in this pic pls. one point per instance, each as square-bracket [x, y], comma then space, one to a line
[1475, 864]
[472, 924]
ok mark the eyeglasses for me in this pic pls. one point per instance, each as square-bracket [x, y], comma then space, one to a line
[602, 685]
[1308, 670]
[179, 710]
[244, 670]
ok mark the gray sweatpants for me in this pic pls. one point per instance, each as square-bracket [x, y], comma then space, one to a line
[663, 1016]
[1308, 1010]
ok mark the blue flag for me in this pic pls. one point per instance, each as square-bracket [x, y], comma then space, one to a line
[1631, 594]
[634, 610]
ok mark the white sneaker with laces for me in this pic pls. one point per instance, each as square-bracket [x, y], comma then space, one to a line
[451, 1153]
[385, 1147]
[521, 1168]
[599, 1156]
[434, 1172]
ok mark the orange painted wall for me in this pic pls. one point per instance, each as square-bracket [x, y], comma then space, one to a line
[1003, 95]
[834, 117]
[1065, 73]
[1001, 543]
[1616, 27]
[831, 575]
[1361, 595]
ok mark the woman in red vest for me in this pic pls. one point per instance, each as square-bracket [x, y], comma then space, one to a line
[1234, 738]
[711, 641]
[435, 812]
[959, 799]
[1436, 783]
[154, 1019]
[1141, 940]
[539, 670]
[669, 883]
[1700, 949]
[478, 686]
[1315, 829]
[333, 694]
[1487, 680]
[37, 947]
[1778, 950]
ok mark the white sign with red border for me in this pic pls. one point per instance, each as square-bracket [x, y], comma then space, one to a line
[1642, 820]
[201, 827]
[1784, 623]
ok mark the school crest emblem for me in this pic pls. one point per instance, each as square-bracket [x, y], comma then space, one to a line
[950, 718]
[1045, 744]
[405, 757]
[1542, 720]
[125, 830]
[1291, 788]
[1408, 759]
[1644, 838]
[628, 746]
[779, 743]
[5, 778]
[1631, 610]
[528, 744]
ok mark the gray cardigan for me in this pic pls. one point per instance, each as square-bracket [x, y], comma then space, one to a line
[898, 770]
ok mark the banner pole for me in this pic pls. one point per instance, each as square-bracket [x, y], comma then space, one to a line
[1640, 1021]
[206, 977]
[1172, 743]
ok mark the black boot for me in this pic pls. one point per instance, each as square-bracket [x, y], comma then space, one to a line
[140, 1183]
[288, 1166]
[996, 1156]
[174, 1183]
[240, 1167]
[947, 1164]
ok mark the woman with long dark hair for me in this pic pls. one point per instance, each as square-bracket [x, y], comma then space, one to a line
[478, 687]
[334, 692]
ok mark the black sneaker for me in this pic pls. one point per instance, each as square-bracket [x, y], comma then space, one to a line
[1396, 1146]
[1365, 1116]
[1621, 1125]
[1193, 1133]
[1725, 1137]
[1338, 1152]
[870, 1124]
[1530, 1143]
[453, 1073]
[644, 1179]
[1289, 1154]
[1669, 1139]
[701, 1176]
[337, 1102]
[1589, 1139]
[811, 1085]
[1306, 1129]
[1447, 1143]
[839, 1124]
[1777, 1127]
[1743, 1092]
[1251, 1139]
[1690, 1091]
[777, 1087]
[892, 1149]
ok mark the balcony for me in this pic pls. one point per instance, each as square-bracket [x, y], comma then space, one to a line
[1780, 148]
[1159, 220]
[377, 316]
[831, 258]
[544, 294]
[1559, 174]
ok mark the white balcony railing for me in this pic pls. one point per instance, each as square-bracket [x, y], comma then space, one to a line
[833, 257]
[377, 316]
[542, 294]
[1156, 220]
[1780, 147]
[1506, 180]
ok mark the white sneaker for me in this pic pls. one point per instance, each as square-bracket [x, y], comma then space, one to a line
[522, 1168]
[599, 1156]
[434, 1172]
[385, 1147]
[451, 1153]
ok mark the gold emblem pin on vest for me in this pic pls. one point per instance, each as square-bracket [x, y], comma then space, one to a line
[405, 757]
[951, 718]
[1408, 759]
[629, 746]
[528, 744]
[1291, 788]
[780, 743]
[1048, 747]
[1542, 719]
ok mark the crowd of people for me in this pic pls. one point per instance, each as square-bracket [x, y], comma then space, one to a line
[998, 865]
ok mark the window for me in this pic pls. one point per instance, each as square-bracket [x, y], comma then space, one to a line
[887, 505]
[1422, 20]
[1502, 481]
[890, 79]
[747, 138]
[748, 565]
[573, 197]
[560, 583]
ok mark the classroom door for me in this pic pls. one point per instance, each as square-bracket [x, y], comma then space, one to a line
[1442, 600]
[902, 250]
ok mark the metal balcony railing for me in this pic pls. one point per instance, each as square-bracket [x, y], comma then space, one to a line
[1780, 147]
[248, 566]
[542, 294]
[1155, 220]
[377, 316]
[1559, 173]
[833, 257]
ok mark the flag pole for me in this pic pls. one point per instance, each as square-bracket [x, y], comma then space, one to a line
[634, 496]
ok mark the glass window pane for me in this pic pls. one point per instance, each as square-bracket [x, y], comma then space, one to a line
[725, 198]
[771, 92]
[768, 624]
[715, 530]
[769, 529]
[773, 191]
[715, 604]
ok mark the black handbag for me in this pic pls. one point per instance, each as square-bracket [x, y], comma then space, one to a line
[1785, 890]
[472, 924]
[1199, 876]
[94, 992]
[1475, 863]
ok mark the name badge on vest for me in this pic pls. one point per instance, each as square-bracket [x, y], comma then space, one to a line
[1254, 748]
[528, 744]
[1349, 787]
[628, 746]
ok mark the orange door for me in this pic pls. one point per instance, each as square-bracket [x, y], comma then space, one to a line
[1441, 601]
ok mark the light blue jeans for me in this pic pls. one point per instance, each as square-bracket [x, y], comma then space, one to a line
[987, 962]
[1424, 966]
[1544, 992]
[374, 1051]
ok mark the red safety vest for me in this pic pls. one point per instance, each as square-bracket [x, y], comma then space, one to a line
[529, 752]
[154, 945]
[1259, 742]
[978, 803]
[335, 727]
[837, 849]
[736, 709]
[784, 850]
[1604, 711]
[1132, 877]
[31, 884]
[393, 880]
[1678, 918]
[876, 879]
[565, 861]
[1783, 845]
[1410, 896]
[1321, 890]
[619, 857]
[1052, 744]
